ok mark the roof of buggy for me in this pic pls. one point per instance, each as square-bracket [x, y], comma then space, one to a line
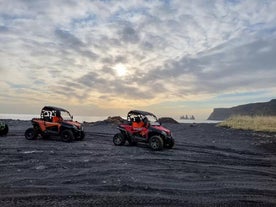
[137, 112]
[53, 108]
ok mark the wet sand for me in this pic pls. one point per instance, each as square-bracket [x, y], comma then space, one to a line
[209, 166]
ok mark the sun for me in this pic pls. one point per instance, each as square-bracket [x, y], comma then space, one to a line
[120, 69]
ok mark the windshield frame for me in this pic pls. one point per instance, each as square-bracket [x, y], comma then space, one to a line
[66, 116]
[151, 118]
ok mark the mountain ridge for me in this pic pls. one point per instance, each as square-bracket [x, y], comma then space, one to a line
[251, 109]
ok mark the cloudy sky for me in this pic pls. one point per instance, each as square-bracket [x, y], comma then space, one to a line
[104, 57]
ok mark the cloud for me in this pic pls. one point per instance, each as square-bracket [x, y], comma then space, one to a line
[112, 87]
[129, 35]
[238, 68]
[68, 39]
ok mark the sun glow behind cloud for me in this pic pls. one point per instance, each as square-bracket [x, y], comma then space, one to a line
[120, 69]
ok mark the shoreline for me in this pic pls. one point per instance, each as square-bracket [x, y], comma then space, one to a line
[102, 120]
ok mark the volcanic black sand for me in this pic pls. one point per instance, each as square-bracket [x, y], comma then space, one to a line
[209, 166]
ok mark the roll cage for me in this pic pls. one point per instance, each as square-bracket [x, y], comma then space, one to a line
[48, 112]
[143, 115]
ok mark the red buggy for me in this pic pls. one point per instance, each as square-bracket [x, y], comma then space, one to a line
[144, 127]
[55, 121]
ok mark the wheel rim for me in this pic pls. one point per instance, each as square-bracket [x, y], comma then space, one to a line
[155, 144]
[118, 140]
[66, 136]
[30, 134]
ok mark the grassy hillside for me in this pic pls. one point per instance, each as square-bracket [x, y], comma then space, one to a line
[255, 123]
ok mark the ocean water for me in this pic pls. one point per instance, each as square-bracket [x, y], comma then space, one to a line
[89, 118]
[30, 116]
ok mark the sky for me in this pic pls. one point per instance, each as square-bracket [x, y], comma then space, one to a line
[104, 57]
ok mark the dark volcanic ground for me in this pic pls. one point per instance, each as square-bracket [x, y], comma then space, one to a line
[209, 166]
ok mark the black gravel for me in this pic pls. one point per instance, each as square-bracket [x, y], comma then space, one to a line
[209, 166]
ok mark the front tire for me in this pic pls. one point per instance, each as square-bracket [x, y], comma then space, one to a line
[81, 137]
[156, 143]
[30, 134]
[67, 135]
[170, 144]
[4, 131]
[119, 139]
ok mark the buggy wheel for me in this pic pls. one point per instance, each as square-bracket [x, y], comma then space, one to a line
[81, 137]
[119, 139]
[30, 134]
[156, 143]
[67, 135]
[170, 144]
[4, 130]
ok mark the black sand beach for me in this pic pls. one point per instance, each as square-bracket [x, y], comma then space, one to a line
[209, 166]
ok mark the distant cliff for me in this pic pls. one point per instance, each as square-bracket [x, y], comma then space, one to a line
[252, 109]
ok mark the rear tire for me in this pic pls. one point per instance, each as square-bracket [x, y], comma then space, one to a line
[30, 134]
[119, 139]
[156, 143]
[67, 135]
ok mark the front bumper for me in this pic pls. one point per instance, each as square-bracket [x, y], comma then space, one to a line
[78, 131]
